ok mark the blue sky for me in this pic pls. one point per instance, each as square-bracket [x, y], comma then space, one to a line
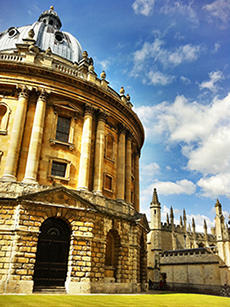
[172, 57]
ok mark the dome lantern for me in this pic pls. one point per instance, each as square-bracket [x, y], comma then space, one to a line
[50, 17]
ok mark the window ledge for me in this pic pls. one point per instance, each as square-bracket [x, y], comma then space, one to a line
[108, 190]
[59, 178]
[54, 141]
[110, 159]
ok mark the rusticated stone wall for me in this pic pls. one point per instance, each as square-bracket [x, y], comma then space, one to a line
[20, 225]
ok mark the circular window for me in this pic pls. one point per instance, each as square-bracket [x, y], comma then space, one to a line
[59, 37]
[12, 32]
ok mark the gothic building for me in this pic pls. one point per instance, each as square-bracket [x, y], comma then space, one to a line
[184, 258]
[69, 169]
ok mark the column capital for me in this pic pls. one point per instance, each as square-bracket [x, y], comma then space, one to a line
[121, 128]
[89, 109]
[43, 95]
[24, 92]
[129, 135]
[102, 116]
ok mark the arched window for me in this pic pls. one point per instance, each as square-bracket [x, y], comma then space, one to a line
[109, 144]
[4, 117]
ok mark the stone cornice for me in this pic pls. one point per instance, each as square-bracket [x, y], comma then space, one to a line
[126, 115]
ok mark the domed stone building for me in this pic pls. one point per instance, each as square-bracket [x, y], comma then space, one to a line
[69, 169]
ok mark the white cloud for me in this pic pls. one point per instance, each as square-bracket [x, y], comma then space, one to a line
[185, 80]
[157, 77]
[219, 9]
[104, 64]
[215, 185]
[179, 187]
[186, 53]
[151, 55]
[216, 47]
[167, 188]
[214, 76]
[155, 50]
[178, 7]
[149, 170]
[202, 131]
[143, 7]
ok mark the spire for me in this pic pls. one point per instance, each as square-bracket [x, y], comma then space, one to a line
[171, 213]
[193, 225]
[167, 219]
[218, 207]
[181, 222]
[184, 215]
[205, 227]
[155, 197]
[217, 203]
[189, 228]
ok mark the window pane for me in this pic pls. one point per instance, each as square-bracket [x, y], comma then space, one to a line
[63, 126]
[58, 169]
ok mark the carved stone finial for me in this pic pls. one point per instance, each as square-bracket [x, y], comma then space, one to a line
[31, 33]
[85, 55]
[167, 219]
[184, 215]
[205, 225]
[171, 213]
[193, 223]
[218, 203]
[48, 51]
[91, 68]
[122, 91]
[103, 75]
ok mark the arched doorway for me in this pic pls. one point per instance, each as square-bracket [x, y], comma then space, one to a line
[52, 254]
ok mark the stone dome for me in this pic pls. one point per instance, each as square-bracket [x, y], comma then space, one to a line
[46, 34]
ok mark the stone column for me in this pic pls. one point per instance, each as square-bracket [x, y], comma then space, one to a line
[136, 175]
[121, 165]
[36, 140]
[99, 154]
[128, 169]
[16, 137]
[83, 177]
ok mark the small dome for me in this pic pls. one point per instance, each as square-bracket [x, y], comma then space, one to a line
[47, 34]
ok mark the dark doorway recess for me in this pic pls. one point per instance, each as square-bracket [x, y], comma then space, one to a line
[52, 254]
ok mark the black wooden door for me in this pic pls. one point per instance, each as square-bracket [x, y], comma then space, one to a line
[52, 253]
